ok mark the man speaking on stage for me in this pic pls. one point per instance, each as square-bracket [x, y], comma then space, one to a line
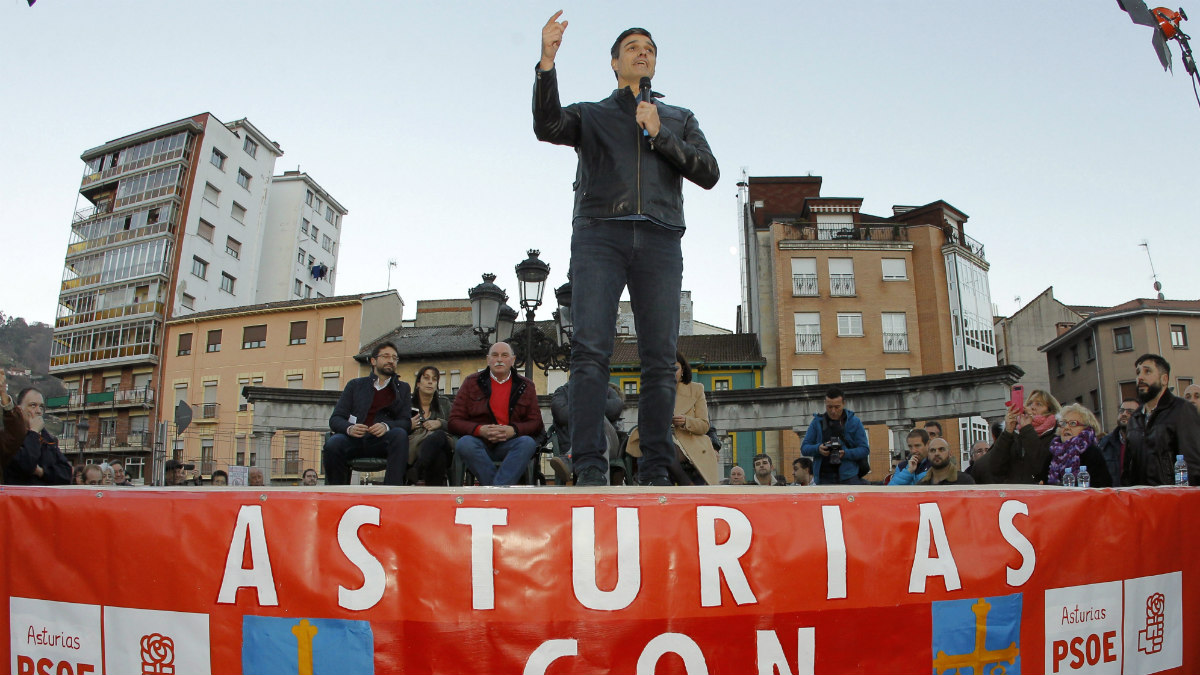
[626, 228]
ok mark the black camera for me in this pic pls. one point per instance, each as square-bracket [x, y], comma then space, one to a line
[189, 467]
[835, 450]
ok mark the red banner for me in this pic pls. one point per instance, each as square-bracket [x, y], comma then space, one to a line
[499, 581]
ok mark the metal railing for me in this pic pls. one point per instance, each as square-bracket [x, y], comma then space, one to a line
[841, 284]
[206, 411]
[895, 342]
[808, 343]
[804, 285]
[132, 309]
[847, 232]
[286, 466]
[183, 153]
[111, 398]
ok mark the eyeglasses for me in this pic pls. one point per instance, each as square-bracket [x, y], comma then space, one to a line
[1074, 424]
[1123, 409]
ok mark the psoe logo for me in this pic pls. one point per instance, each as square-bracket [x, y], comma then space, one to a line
[287, 646]
[982, 634]
[1150, 638]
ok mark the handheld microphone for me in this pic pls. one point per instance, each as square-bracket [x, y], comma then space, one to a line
[644, 95]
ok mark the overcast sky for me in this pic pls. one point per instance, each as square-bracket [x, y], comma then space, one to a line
[1050, 124]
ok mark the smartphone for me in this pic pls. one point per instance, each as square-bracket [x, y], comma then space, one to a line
[1017, 400]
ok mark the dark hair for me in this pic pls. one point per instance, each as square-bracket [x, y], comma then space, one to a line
[26, 390]
[934, 423]
[997, 429]
[763, 455]
[616, 47]
[834, 392]
[919, 433]
[1132, 398]
[219, 472]
[173, 465]
[421, 373]
[381, 346]
[1159, 362]
[687, 368]
[805, 462]
[305, 472]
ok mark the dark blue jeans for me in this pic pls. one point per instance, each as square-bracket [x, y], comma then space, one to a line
[480, 457]
[340, 449]
[607, 256]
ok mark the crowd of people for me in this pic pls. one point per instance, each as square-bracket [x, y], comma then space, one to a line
[494, 427]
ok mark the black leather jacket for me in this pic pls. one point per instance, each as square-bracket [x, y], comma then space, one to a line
[1152, 443]
[621, 172]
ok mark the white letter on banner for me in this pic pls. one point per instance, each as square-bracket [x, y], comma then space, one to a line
[676, 643]
[923, 565]
[835, 552]
[770, 653]
[1008, 511]
[548, 652]
[483, 586]
[583, 559]
[374, 580]
[259, 576]
[717, 558]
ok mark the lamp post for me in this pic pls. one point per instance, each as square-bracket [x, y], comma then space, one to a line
[81, 436]
[491, 320]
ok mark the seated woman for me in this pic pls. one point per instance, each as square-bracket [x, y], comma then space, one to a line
[1076, 445]
[430, 446]
[696, 459]
[1021, 454]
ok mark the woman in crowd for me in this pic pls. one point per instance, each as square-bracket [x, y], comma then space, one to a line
[430, 446]
[1021, 454]
[1076, 445]
[696, 460]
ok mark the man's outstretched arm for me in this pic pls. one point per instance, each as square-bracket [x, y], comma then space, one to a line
[551, 122]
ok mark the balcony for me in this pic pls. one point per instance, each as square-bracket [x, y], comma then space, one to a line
[976, 248]
[135, 441]
[176, 154]
[862, 232]
[808, 343]
[804, 285]
[117, 398]
[135, 309]
[895, 342]
[841, 285]
[82, 242]
[205, 412]
[288, 467]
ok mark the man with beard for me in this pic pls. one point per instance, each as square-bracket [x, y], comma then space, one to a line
[372, 418]
[942, 470]
[1165, 427]
[1115, 445]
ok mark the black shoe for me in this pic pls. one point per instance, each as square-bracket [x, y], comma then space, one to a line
[591, 476]
[654, 481]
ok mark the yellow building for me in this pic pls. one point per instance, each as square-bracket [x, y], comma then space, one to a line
[301, 344]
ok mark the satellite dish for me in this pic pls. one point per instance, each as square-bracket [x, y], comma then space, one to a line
[183, 416]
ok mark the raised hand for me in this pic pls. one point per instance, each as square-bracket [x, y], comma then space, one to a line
[552, 34]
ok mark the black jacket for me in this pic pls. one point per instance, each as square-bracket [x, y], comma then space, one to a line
[38, 450]
[620, 171]
[1152, 443]
[356, 400]
[1110, 447]
[1022, 458]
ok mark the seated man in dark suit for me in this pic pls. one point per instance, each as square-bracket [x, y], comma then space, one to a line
[371, 419]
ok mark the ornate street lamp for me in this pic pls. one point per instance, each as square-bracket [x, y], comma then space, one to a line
[531, 275]
[486, 299]
[81, 436]
[530, 345]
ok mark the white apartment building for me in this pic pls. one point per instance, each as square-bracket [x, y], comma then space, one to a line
[304, 219]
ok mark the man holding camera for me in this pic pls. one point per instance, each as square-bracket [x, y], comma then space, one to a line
[837, 442]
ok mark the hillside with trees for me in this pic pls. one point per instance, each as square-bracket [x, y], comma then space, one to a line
[25, 355]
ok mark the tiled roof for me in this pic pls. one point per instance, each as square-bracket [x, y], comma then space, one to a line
[278, 306]
[1136, 305]
[739, 348]
[440, 341]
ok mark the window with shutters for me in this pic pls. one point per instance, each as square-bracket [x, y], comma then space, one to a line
[333, 329]
[185, 344]
[214, 341]
[233, 247]
[299, 333]
[254, 337]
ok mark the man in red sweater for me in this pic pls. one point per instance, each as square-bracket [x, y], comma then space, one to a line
[497, 417]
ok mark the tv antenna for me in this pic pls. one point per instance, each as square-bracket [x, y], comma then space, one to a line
[1157, 284]
[391, 264]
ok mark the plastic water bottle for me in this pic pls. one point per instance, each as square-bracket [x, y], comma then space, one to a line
[1068, 478]
[1181, 476]
[1085, 478]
